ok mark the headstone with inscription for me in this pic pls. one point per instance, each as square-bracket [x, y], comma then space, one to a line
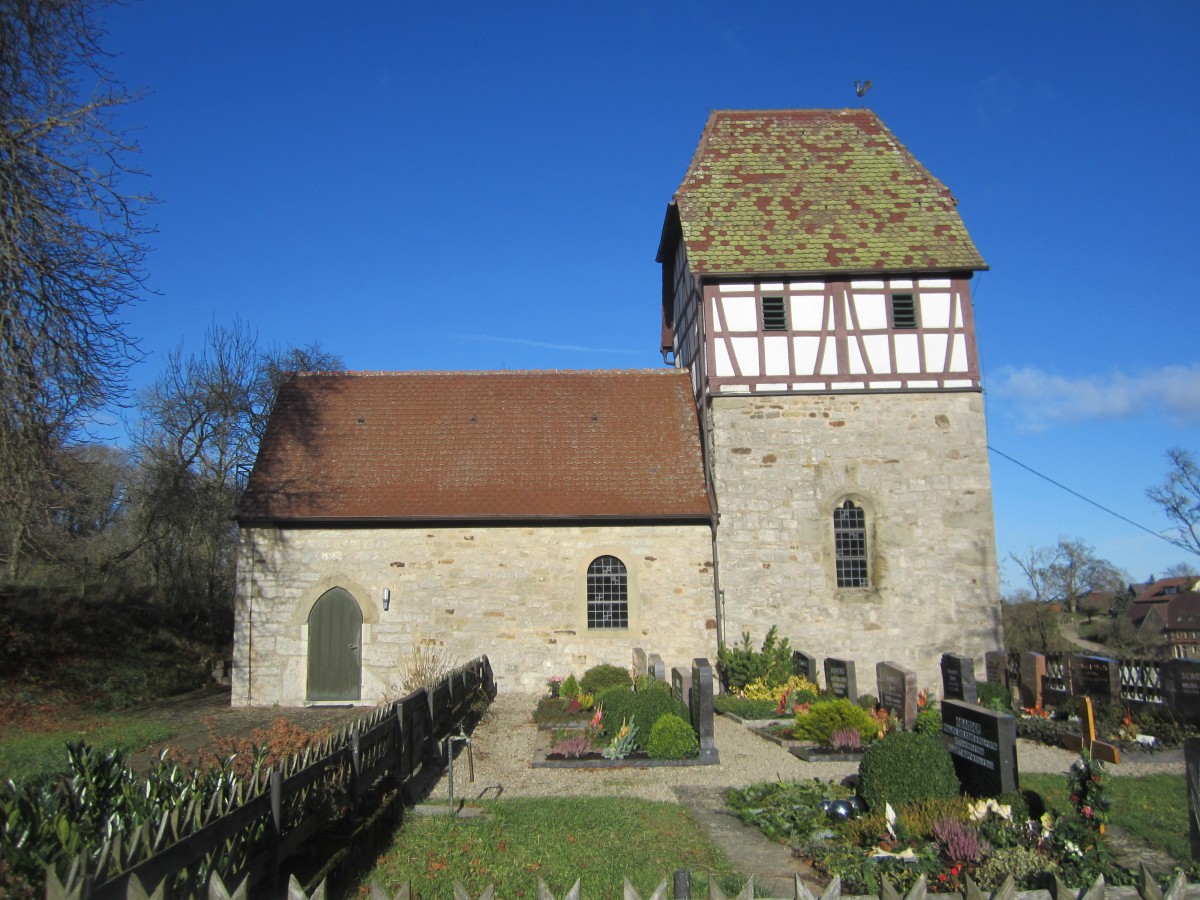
[1097, 677]
[983, 745]
[1180, 679]
[840, 678]
[995, 664]
[898, 692]
[805, 665]
[681, 686]
[641, 665]
[958, 678]
[1033, 679]
[657, 669]
[702, 709]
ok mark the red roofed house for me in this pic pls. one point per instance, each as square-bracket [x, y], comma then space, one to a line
[815, 458]
[1167, 613]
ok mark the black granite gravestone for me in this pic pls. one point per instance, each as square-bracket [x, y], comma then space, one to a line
[983, 745]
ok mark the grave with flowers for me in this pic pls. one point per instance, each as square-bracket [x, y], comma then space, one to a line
[609, 719]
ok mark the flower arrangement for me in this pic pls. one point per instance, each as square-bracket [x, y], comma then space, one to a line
[622, 742]
[1089, 795]
[554, 685]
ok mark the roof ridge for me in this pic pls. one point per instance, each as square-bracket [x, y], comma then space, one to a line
[457, 373]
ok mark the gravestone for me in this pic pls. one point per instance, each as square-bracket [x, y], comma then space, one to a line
[1097, 677]
[1033, 678]
[657, 670]
[641, 665]
[1191, 757]
[958, 678]
[898, 692]
[1180, 679]
[804, 665]
[681, 686]
[983, 745]
[702, 709]
[840, 678]
[995, 664]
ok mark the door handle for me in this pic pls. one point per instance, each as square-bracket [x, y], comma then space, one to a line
[354, 646]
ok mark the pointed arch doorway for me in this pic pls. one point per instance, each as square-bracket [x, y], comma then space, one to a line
[335, 647]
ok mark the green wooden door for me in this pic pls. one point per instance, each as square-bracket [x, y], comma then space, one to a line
[335, 647]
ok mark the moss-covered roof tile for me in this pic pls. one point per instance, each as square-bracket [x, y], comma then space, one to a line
[815, 190]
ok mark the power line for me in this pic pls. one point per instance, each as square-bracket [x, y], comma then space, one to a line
[1162, 537]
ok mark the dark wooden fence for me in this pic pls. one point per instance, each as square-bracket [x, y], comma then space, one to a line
[246, 834]
[1141, 679]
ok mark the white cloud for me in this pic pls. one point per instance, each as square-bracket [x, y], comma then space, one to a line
[1040, 399]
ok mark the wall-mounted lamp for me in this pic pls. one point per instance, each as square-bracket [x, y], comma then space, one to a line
[387, 598]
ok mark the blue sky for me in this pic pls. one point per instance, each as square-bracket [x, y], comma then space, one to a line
[482, 186]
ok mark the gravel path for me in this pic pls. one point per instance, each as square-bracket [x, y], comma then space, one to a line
[503, 745]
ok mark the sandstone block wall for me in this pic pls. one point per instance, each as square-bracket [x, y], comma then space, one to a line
[917, 463]
[517, 594]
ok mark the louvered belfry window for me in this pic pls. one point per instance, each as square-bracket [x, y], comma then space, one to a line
[904, 311]
[774, 314]
[607, 593]
[850, 545]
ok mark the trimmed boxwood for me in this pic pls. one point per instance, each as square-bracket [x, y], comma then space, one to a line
[906, 766]
[603, 677]
[644, 708]
[672, 738]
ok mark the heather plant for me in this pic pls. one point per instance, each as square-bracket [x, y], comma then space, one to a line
[846, 739]
[958, 841]
[573, 747]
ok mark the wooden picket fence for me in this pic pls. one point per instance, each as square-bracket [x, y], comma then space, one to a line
[1146, 889]
[246, 834]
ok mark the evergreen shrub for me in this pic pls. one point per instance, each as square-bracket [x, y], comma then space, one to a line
[929, 721]
[741, 664]
[601, 678]
[994, 696]
[868, 702]
[570, 688]
[672, 738]
[904, 767]
[832, 714]
[646, 707]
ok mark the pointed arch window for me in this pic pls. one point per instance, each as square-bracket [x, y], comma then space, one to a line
[607, 593]
[850, 545]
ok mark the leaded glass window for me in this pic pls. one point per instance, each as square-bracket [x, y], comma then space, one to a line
[850, 545]
[607, 593]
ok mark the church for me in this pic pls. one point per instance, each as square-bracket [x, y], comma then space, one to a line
[812, 456]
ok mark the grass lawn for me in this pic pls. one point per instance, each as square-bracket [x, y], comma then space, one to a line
[25, 753]
[1153, 807]
[599, 840]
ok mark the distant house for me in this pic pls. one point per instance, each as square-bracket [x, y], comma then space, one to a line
[815, 458]
[1167, 612]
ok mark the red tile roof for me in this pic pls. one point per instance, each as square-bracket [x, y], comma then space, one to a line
[480, 445]
[815, 191]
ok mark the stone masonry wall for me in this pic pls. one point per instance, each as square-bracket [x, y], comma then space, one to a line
[517, 594]
[917, 464]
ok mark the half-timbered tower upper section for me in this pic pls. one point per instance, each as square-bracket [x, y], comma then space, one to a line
[808, 250]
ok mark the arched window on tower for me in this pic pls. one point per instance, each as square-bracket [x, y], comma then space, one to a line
[607, 593]
[850, 545]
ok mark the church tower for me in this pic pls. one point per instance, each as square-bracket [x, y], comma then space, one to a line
[816, 286]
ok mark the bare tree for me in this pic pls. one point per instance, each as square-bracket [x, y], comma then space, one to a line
[1179, 497]
[1067, 572]
[71, 249]
[202, 421]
